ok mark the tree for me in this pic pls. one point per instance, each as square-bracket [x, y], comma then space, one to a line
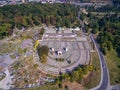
[30, 14]
[67, 76]
[85, 69]
[90, 15]
[43, 58]
[43, 53]
[58, 25]
[104, 50]
[67, 23]
[66, 87]
[36, 20]
[82, 17]
[75, 75]
[42, 31]
[24, 22]
[109, 45]
[94, 31]
[60, 85]
[53, 20]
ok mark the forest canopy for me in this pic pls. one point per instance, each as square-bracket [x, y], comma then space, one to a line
[34, 14]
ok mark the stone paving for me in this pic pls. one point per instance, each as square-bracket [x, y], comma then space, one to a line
[78, 52]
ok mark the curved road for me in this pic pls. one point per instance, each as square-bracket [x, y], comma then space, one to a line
[104, 82]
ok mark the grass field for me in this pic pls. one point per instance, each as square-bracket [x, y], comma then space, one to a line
[96, 73]
[113, 62]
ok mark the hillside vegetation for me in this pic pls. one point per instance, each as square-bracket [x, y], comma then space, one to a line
[34, 14]
[106, 28]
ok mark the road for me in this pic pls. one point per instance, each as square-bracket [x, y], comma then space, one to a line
[104, 82]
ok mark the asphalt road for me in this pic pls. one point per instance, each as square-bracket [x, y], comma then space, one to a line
[104, 82]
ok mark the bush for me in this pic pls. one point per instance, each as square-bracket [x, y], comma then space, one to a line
[66, 87]
[60, 85]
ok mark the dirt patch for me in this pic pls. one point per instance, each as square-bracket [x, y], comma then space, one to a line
[73, 85]
[87, 79]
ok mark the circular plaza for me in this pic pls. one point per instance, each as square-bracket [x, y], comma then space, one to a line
[66, 52]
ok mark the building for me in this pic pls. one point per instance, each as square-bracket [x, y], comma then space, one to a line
[52, 49]
[59, 53]
[65, 48]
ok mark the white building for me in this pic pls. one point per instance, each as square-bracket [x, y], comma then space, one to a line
[52, 49]
[77, 29]
[59, 53]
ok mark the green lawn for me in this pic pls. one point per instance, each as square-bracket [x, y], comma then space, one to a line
[95, 75]
[113, 62]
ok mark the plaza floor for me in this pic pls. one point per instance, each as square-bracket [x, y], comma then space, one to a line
[78, 52]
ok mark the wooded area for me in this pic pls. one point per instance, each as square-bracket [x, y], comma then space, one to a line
[34, 14]
[107, 28]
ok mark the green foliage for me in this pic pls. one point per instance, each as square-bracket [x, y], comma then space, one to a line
[4, 30]
[2, 76]
[43, 50]
[60, 59]
[36, 65]
[113, 62]
[42, 31]
[43, 53]
[30, 14]
[116, 2]
[77, 74]
[104, 50]
[107, 8]
[95, 27]
[60, 85]
[82, 16]
[109, 33]
[107, 29]
[13, 56]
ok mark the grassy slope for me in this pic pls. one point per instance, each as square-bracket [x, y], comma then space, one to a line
[95, 78]
[114, 67]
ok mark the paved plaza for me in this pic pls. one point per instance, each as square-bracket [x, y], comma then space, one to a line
[67, 46]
